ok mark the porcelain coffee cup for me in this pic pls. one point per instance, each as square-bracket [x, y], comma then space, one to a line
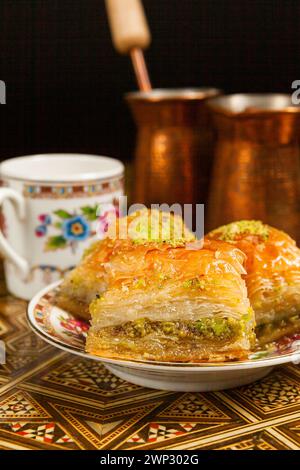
[50, 210]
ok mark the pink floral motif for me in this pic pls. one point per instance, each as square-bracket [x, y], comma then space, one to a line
[75, 326]
[287, 343]
[283, 346]
[41, 231]
[107, 218]
[44, 219]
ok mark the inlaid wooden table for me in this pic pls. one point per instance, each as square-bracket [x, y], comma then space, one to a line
[52, 400]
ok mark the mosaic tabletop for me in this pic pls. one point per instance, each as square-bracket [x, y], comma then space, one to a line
[52, 400]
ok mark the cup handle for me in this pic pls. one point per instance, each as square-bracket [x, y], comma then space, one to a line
[5, 248]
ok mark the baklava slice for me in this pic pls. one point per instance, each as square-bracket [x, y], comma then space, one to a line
[173, 302]
[273, 275]
[90, 278]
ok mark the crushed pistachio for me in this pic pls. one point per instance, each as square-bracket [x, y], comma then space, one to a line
[139, 283]
[168, 327]
[219, 329]
[249, 315]
[243, 227]
[168, 241]
[163, 277]
[157, 226]
[194, 282]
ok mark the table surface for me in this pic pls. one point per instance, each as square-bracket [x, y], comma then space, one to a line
[52, 400]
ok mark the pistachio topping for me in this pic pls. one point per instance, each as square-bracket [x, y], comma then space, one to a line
[194, 282]
[244, 227]
[160, 227]
[139, 283]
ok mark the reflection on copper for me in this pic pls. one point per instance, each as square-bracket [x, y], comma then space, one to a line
[174, 146]
[256, 171]
[159, 150]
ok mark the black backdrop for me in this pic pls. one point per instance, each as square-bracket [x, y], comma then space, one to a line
[65, 82]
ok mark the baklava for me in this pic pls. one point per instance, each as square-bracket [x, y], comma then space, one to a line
[273, 275]
[173, 303]
[158, 294]
[90, 278]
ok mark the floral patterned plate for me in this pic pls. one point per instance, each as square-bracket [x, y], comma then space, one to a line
[61, 329]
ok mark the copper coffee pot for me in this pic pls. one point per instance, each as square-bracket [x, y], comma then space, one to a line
[256, 171]
[174, 145]
[174, 141]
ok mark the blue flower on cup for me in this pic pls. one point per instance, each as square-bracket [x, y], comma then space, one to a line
[65, 229]
[76, 229]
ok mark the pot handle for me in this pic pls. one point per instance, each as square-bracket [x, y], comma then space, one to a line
[5, 248]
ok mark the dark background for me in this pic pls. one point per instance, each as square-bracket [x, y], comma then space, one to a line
[65, 83]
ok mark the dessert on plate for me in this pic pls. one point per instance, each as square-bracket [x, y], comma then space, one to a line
[273, 275]
[90, 278]
[158, 294]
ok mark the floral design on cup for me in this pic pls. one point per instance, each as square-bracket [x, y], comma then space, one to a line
[41, 230]
[72, 227]
[107, 216]
[52, 216]
[76, 229]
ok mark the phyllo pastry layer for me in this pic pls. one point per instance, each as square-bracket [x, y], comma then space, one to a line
[273, 275]
[87, 280]
[90, 279]
[172, 303]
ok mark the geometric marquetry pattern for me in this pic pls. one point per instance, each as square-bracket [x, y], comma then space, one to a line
[85, 375]
[193, 406]
[21, 405]
[157, 432]
[274, 392]
[52, 400]
[42, 432]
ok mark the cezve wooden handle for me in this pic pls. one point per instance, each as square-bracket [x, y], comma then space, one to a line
[128, 25]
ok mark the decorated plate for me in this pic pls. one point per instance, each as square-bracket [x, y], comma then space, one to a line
[64, 331]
